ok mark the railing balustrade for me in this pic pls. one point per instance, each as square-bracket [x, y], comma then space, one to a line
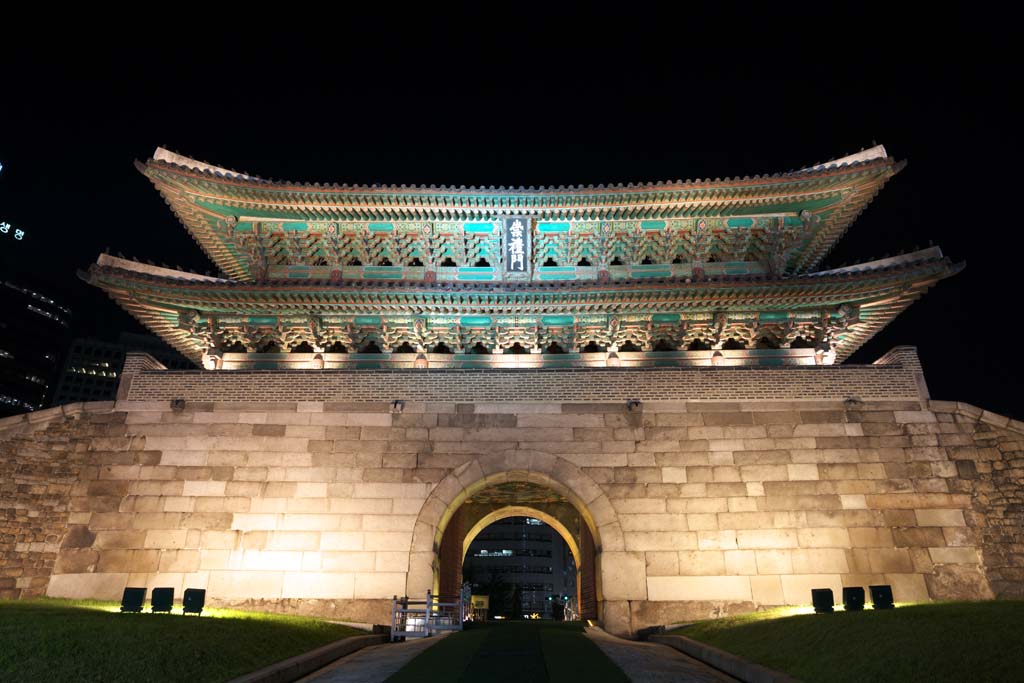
[423, 618]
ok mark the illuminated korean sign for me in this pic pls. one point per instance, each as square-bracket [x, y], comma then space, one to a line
[517, 244]
[8, 229]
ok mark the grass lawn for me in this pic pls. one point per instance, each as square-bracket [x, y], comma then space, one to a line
[64, 640]
[936, 642]
[534, 651]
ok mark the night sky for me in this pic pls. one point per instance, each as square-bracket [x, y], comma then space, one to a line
[457, 98]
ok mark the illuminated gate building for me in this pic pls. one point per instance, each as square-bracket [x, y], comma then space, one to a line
[655, 370]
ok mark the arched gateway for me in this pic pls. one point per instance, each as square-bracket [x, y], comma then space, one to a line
[517, 483]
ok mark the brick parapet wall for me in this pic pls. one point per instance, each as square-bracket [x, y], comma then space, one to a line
[907, 358]
[873, 382]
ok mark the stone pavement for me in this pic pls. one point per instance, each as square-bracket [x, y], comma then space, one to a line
[372, 664]
[654, 663]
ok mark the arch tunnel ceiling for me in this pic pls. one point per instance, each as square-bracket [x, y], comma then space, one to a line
[515, 493]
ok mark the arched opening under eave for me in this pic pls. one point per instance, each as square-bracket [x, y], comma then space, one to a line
[498, 501]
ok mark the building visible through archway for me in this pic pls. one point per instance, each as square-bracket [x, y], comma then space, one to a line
[525, 567]
[520, 499]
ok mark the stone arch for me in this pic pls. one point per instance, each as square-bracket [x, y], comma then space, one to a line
[544, 469]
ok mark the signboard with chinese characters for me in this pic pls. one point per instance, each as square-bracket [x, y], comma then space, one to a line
[517, 244]
[8, 229]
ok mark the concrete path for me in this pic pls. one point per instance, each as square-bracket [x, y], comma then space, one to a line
[654, 663]
[372, 664]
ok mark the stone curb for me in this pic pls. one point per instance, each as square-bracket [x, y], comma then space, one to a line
[296, 667]
[748, 672]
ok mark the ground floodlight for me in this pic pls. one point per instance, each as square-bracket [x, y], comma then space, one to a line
[822, 600]
[853, 598]
[162, 600]
[881, 597]
[132, 599]
[195, 598]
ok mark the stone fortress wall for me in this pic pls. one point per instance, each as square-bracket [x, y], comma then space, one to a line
[707, 491]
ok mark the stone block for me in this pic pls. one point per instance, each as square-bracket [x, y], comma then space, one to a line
[639, 505]
[272, 505]
[774, 561]
[957, 536]
[653, 522]
[380, 585]
[762, 473]
[204, 488]
[871, 537]
[254, 522]
[853, 501]
[387, 540]
[767, 590]
[166, 539]
[702, 521]
[820, 561]
[349, 561]
[623, 575]
[919, 537]
[962, 555]
[824, 537]
[766, 538]
[251, 585]
[803, 472]
[908, 587]
[941, 518]
[716, 540]
[177, 561]
[889, 560]
[674, 474]
[87, 586]
[660, 540]
[617, 618]
[288, 489]
[728, 418]
[671, 588]
[701, 563]
[743, 504]
[761, 452]
[309, 522]
[271, 560]
[82, 561]
[662, 563]
[120, 539]
[388, 522]
[219, 540]
[294, 540]
[391, 561]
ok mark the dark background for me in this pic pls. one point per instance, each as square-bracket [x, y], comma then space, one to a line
[536, 96]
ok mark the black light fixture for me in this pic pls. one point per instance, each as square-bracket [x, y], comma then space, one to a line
[881, 597]
[132, 599]
[162, 600]
[822, 600]
[853, 598]
[195, 599]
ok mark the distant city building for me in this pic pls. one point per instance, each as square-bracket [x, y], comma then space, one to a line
[34, 329]
[524, 554]
[92, 367]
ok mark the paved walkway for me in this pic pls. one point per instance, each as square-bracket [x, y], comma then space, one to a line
[371, 664]
[655, 663]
